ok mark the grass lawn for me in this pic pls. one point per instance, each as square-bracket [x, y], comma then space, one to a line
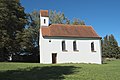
[35, 71]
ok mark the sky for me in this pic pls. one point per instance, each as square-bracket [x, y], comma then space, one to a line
[102, 15]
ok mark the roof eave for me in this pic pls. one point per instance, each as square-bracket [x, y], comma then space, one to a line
[74, 37]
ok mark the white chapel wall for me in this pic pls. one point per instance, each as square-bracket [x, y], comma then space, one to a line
[84, 55]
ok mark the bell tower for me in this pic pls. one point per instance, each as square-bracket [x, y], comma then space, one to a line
[44, 18]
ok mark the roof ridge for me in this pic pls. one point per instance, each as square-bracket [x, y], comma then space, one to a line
[73, 25]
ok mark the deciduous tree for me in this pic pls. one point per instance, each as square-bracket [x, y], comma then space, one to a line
[77, 21]
[12, 19]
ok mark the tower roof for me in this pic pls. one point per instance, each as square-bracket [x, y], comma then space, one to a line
[44, 13]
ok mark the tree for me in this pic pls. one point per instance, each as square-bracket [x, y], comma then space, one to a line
[78, 22]
[34, 25]
[57, 18]
[113, 46]
[105, 46]
[110, 47]
[12, 19]
[28, 39]
[67, 21]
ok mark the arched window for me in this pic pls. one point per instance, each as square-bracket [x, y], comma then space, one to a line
[92, 46]
[63, 46]
[74, 46]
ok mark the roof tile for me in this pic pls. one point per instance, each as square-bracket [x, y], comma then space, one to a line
[64, 30]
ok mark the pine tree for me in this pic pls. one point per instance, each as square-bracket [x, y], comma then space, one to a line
[105, 49]
[110, 47]
[114, 49]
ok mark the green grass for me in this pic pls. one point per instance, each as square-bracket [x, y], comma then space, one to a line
[34, 71]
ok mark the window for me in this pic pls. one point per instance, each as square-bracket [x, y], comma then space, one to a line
[63, 46]
[44, 21]
[74, 46]
[92, 47]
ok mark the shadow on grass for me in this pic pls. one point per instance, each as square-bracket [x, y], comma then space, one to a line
[38, 73]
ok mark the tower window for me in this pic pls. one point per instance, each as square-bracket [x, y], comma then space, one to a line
[44, 21]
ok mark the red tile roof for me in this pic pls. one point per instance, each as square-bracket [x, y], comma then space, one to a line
[64, 30]
[44, 13]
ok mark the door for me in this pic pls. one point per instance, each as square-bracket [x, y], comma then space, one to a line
[54, 58]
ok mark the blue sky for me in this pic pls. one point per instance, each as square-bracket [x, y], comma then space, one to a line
[103, 15]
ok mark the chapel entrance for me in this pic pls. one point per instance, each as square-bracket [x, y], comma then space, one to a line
[54, 58]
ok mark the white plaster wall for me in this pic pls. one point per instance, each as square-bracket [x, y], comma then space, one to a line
[83, 55]
[42, 21]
